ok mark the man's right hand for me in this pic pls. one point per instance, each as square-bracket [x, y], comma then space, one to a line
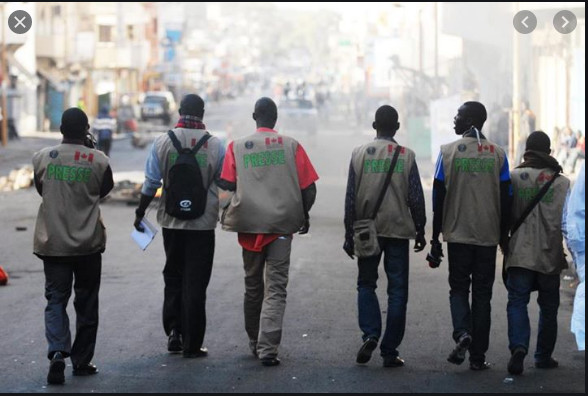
[349, 249]
[435, 256]
[137, 223]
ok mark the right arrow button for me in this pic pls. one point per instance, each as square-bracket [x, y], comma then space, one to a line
[565, 22]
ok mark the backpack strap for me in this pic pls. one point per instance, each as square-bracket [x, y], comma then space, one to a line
[179, 147]
[175, 141]
[201, 142]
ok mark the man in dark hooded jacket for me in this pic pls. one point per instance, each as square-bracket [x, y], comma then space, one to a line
[535, 255]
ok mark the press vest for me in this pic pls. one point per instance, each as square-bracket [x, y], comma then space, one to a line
[68, 221]
[371, 163]
[538, 243]
[268, 198]
[209, 162]
[471, 211]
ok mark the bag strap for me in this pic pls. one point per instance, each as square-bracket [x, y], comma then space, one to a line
[178, 145]
[387, 181]
[533, 203]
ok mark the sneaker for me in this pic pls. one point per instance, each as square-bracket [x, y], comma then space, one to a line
[457, 356]
[515, 364]
[85, 369]
[202, 352]
[365, 352]
[395, 361]
[550, 363]
[56, 375]
[174, 342]
[479, 366]
[253, 347]
[270, 361]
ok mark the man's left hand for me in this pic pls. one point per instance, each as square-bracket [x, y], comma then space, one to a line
[420, 243]
[305, 227]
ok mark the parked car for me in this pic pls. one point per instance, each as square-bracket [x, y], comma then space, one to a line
[159, 105]
[297, 115]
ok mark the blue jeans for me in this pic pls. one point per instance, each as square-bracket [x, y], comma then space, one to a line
[370, 321]
[520, 283]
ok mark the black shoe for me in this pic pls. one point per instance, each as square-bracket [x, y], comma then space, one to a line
[269, 361]
[516, 362]
[393, 362]
[85, 369]
[457, 356]
[253, 347]
[56, 374]
[174, 342]
[550, 363]
[202, 352]
[365, 352]
[479, 366]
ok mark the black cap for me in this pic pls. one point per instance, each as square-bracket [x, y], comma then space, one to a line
[74, 123]
[539, 141]
[193, 105]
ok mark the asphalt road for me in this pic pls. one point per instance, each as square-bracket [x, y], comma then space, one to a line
[321, 336]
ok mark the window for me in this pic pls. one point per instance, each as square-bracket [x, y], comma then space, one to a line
[105, 34]
[130, 32]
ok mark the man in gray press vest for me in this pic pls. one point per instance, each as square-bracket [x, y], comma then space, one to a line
[274, 184]
[471, 200]
[188, 243]
[71, 178]
[400, 217]
[535, 255]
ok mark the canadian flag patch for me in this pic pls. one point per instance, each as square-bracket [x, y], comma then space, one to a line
[79, 156]
[485, 147]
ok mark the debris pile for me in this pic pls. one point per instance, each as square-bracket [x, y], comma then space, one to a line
[19, 178]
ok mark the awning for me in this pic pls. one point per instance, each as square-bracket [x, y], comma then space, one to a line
[23, 70]
[53, 79]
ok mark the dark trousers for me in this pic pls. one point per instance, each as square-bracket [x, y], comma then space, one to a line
[104, 145]
[84, 273]
[370, 318]
[188, 266]
[520, 283]
[475, 265]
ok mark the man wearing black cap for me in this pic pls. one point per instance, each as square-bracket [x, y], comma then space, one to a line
[71, 178]
[535, 255]
[471, 199]
[188, 243]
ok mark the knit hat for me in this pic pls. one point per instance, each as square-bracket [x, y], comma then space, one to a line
[74, 123]
[539, 141]
[193, 105]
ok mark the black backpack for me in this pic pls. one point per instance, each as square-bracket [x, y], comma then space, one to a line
[185, 193]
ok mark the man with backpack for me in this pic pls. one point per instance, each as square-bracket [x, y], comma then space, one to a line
[189, 160]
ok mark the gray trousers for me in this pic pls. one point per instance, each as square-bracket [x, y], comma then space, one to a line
[265, 302]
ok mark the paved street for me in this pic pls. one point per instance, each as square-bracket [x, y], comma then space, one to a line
[321, 336]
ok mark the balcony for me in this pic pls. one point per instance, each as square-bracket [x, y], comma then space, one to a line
[51, 46]
[125, 56]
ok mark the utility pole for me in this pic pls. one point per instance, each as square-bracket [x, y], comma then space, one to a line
[513, 141]
[4, 79]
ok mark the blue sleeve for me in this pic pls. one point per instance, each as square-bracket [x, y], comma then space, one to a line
[152, 173]
[439, 171]
[221, 160]
[505, 171]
